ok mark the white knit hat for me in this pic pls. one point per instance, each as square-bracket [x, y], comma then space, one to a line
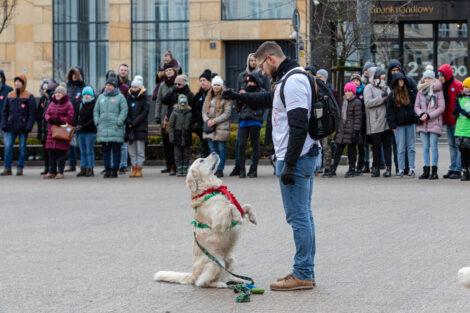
[429, 67]
[217, 81]
[138, 81]
[429, 74]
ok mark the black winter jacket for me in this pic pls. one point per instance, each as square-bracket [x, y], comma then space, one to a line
[137, 116]
[171, 98]
[403, 115]
[198, 102]
[85, 117]
[74, 90]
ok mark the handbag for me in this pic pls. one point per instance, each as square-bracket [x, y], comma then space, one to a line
[208, 129]
[62, 132]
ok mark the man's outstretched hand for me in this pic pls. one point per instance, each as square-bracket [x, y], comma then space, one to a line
[230, 94]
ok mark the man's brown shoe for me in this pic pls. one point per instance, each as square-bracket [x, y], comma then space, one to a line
[59, 176]
[285, 277]
[71, 169]
[6, 172]
[291, 283]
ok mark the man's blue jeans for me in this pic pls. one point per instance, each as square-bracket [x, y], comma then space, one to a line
[430, 141]
[72, 153]
[455, 162]
[218, 147]
[405, 137]
[123, 156]
[296, 199]
[8, 153]
[87, 149]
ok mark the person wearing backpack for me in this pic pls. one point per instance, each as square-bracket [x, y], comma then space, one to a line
[349, 131]
[298, 154]
[180, 134]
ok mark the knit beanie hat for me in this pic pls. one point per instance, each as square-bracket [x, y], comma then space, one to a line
[138, 81]
[429, 74]
[466, 82]
[217, 81]
[350, 87]
[88, 91]
[429, 67]
[356, 76]
[312, 69]
[207, 74]
[62, 89]
[323, 73]
[367, 66]
[181, 79]
[112, 80]
[167, 66]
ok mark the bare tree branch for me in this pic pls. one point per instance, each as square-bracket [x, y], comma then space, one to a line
[7, 8]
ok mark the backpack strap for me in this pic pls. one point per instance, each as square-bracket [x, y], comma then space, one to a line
[312, 85]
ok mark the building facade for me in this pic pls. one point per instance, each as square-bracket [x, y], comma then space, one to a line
[46, 37]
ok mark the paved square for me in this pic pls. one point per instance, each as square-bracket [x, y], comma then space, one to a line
[93, 245]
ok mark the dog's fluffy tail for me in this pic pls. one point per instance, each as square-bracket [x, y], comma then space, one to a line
[174, 277]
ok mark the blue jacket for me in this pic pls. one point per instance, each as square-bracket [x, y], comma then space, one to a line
[19, 111]
[4, 91]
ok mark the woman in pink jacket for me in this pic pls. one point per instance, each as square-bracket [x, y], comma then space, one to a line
[59, 112]
[429, 106]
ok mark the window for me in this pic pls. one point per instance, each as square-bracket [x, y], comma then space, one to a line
[158, 26]
[257, 9]
[81, 39]
[443, 30]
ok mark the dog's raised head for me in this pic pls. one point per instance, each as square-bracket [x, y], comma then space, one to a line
[201, 174]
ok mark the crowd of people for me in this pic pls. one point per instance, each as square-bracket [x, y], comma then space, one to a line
[382, 110]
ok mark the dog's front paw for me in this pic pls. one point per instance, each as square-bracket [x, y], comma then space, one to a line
[249, 212]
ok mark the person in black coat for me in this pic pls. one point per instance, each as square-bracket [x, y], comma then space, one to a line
[180, 88]
[75, 85]
[137, 124]
[47, 90]
[198, 102]
[86, 130]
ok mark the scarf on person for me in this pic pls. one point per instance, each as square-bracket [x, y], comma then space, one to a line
[426, 89]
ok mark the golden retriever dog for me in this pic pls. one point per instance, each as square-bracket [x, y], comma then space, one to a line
[225, 223]
[464, 276]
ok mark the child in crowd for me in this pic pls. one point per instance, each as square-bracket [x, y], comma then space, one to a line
[179, 131]
[462, 130]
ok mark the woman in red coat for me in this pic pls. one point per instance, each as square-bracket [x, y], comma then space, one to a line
[451, 87]
[59, 112]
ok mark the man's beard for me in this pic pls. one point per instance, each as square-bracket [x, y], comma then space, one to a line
[271, 71]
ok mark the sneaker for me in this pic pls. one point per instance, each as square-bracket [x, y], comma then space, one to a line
[399, 174]
[411, 173]
[455, 175]
[122, 170]
[291, 283]
[285, 277]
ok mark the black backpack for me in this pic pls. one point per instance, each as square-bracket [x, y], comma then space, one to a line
[325, 114]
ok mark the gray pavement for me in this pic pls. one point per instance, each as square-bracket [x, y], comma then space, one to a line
[93, 245]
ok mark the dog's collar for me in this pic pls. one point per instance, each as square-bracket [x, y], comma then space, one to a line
[221, 189]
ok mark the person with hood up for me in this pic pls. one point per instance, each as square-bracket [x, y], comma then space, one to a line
[365, 73]
[462, 129]
[60, 112]
[429, 106]
[180, 134]
[86, 131]
[4, 91]
[198, 102]
[161, 117]
[109, 115]
[377, 128]
[216, 113]
[137, 124]
[349, 131]
[363, 158]
[402, 119]
[250, 125]
[18, 115]
[75, 85]
[451, 88]
[46, 90]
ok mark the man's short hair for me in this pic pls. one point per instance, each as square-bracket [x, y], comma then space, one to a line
[269, 48]
[123, 64]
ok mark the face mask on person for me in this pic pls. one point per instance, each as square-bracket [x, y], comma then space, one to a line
[251, 88]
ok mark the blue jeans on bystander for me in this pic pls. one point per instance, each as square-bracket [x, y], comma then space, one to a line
[8, 153]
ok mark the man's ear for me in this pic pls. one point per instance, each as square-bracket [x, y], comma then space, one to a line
[191, 181]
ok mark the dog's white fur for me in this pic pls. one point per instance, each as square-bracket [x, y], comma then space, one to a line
[217, 212]
[464, 276]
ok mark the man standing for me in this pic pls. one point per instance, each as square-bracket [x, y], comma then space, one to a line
[124, 75]
[4, 91]
[451, 87]
[298, 155]
[124, 80]
[19, 112]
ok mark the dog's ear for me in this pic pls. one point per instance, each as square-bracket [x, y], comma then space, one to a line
[191, 181]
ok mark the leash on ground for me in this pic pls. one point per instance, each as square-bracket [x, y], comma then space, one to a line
[236, 287]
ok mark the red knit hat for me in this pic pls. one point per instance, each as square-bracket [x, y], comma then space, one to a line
[351, 86]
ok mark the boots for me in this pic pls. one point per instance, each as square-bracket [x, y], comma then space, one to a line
[6, 172]
[434, 173]
[133, 172]
[466, 175]
[366, 168]
[375, 172]
[82, 172]
[332, 171]
[350, 173]
[185, 170]
[114, 173]
[19, 171]
[219, 173]
[173, 170]
[235, 171]
[425, 174]
[107, 173]
[44, 172]
[388, 171]
[242, 172]
[179, 171]
[138, 172]
[326, 172]
[89, 172]
[253, 172]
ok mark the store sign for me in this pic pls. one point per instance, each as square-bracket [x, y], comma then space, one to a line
[412, 10]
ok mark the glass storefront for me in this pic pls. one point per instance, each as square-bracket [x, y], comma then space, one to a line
[158, 26]
[257, 9]
[81, 39]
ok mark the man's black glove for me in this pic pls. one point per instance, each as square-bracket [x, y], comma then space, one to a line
[230, 94]
[355, 137]
[384, 94]
[158, 120]
[287, 174]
